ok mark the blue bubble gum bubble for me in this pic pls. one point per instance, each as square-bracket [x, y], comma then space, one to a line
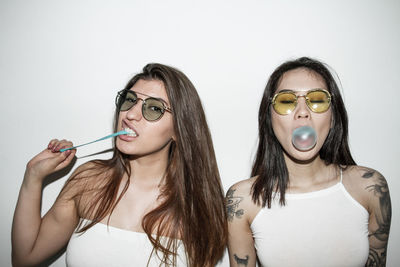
[304, 138]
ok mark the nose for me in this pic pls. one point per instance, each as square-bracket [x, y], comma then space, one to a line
[302, 110]
[135, 112]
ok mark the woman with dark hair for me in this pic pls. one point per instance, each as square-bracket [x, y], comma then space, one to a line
[308, 203]
[157, 202]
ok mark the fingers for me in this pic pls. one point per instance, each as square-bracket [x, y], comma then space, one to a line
[51, 144]
[55, 145]
[49, 160]
[63, 159]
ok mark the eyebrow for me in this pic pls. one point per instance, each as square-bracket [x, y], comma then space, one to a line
[300, 90]
[286, 90]
[159, 98]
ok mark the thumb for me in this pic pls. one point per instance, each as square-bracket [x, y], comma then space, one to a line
[62, 160]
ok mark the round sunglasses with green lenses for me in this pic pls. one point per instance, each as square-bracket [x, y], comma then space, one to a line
[152, 108]
[317, 100]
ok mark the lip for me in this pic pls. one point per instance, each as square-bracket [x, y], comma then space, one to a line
[125, 137]
[301, 125]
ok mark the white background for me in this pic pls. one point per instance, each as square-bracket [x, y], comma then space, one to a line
[62, 62]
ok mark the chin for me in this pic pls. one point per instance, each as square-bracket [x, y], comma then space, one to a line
[302, 156]
[123, 149]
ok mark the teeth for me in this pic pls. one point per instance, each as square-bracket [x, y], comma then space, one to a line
[130, 132]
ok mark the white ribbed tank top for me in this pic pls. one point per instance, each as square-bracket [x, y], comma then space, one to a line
[109, 246]
[321, 228]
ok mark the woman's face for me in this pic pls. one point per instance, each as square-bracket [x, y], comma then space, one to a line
[151, 136]
[300, 81]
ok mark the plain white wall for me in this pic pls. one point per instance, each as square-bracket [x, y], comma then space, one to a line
[61, 63]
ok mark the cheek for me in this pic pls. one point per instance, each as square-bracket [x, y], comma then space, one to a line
[169, 130]
[164, 129]
[120, 117]
[325, 124]
[280, 126]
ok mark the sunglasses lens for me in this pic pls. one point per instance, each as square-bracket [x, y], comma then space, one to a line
[285, 103]
[318, 101]
[153, 109]
[126, 100]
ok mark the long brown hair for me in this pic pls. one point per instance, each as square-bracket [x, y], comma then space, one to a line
[269, 165]
[193, 199]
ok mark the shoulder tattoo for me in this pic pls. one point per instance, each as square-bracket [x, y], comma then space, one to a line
[232, 205]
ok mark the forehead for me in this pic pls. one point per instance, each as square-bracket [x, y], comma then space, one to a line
[152, 88]
[301, 79]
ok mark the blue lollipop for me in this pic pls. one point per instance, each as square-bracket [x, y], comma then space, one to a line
[304, 138]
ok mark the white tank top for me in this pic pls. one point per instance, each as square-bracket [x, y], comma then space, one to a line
[108, 246]
[321, 228]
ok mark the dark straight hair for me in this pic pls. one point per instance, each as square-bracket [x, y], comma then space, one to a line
[269, 165]
[193, 200]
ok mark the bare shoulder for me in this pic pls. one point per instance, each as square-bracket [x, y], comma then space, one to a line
[90, 172]
[239, 200]
[365, 183]
[242, 187]
[363, 177]
[84, 178]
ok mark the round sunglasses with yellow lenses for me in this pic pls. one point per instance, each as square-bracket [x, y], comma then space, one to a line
[317, 100]
[152, 108]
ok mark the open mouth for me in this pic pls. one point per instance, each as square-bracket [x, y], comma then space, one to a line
[130, 132]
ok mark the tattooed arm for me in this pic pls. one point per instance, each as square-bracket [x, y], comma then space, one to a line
[240, 211]
[380, 214]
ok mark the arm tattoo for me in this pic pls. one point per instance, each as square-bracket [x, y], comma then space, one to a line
[374, 259]
[241, 261]
[377, 253]
[232, 203]
[368, 174]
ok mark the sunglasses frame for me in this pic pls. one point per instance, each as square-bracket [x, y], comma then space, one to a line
[126, 91]
[273, 100]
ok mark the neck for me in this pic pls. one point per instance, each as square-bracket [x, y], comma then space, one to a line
[149, 170]
[309, 174]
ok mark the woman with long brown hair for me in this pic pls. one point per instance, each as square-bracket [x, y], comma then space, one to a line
[157, 201]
